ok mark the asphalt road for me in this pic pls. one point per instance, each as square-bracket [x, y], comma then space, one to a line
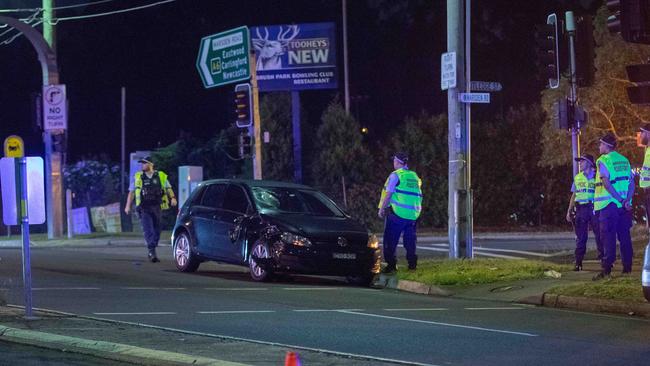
[320, 313]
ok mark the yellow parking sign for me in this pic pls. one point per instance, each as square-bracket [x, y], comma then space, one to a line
[14, 147]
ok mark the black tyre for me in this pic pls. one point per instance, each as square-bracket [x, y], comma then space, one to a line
[258, 272]
[184, 258]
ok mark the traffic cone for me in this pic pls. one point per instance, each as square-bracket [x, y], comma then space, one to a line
[291, 359]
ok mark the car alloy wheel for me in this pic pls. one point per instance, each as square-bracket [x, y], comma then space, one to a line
[258, 273]
[184, 259]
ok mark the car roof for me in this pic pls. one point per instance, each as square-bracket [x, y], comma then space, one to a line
[258, 183]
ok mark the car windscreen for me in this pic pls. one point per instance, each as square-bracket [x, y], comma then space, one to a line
[295, 201]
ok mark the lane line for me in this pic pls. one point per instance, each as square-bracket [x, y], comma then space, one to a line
[236, 288]
[499, 308]
[149, 313]
[236, 312]
[476, 252]
[420, 309]
[443, 324]
[310, 288]
[525, 252]
[153, 288]
[323, 310]
[64, 288]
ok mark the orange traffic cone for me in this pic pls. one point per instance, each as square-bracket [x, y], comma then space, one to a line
[291, 359]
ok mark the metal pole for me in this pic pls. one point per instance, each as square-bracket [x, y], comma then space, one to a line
[68, 210]
[346, 80]
[469, 235]
[573, 96]
[53, 161]
[257, 128]
[297, 141]
[123, 139]
[27, 272]
[457, 134]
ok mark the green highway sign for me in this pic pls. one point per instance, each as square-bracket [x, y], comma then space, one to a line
[223, 57]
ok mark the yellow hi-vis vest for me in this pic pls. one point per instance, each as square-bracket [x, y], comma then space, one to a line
[644, 178]
[406, 201]
[163, 183]
[619, 175]
[585, 188]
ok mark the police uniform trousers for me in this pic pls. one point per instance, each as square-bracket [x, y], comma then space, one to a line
[585, 220]
[615, 223]
[394, 227]
[150, 220]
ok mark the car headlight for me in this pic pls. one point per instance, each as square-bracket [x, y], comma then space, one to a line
[373, 242]
[297, 240]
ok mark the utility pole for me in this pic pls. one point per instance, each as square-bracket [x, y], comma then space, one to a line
[257, 128]
[459, 195]
[573, 96]
[53, 160]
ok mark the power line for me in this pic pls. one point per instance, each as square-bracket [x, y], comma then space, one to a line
[87, 16]
[55, 8]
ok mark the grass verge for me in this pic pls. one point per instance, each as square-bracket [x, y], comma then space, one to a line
[477, 271]
[626, 289]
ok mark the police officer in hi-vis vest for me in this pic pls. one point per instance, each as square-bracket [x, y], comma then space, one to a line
[400, 204]
[644, 176]
[152, 193]
[582, 201]
[613, 204]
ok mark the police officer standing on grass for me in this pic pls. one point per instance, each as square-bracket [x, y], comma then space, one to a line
[400, 204]
[152, 193]
[613, 203]
[582, 201]
[644, 176]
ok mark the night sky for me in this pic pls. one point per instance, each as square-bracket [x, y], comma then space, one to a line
[394, 51]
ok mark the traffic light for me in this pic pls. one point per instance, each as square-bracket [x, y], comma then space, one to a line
[585, 52]
[243, 105]
[631, 19]
[245, 145]
[640, 75]
[561, 115]
[547, 39]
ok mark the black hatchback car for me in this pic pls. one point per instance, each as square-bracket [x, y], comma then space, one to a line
[272, 227]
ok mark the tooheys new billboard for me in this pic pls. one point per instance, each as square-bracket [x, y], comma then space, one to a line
[295, 57]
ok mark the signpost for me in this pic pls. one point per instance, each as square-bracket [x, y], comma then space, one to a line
[486, 86]
[448, 70]
[55, 111]
[474, 97]
[223, 57]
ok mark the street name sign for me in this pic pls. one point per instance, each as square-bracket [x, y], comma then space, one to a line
[487, 86]
[55, 111]
[448, 70]
[224, 57]
[474, 97]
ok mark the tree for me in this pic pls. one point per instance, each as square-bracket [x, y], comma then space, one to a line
[93, 182]
[275, 112]
[606, 101]
[340, 152]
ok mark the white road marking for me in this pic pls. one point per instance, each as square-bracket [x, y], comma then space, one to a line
[420, 309]
[525, 252]
[153, 288]
[443, 324]
[323, 310]
[498, 308]
[149, 313]
[476, 252]
[64, 288]
[236, 312]
[236, 289]
[309, 288]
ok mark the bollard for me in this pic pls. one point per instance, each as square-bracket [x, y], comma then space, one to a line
[645, 275]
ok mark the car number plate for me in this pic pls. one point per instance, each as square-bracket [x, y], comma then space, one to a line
[344, 255]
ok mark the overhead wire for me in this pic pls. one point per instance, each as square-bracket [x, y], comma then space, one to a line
[87, 16]
[56, 7]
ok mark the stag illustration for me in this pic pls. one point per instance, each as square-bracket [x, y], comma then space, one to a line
[270, 51]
